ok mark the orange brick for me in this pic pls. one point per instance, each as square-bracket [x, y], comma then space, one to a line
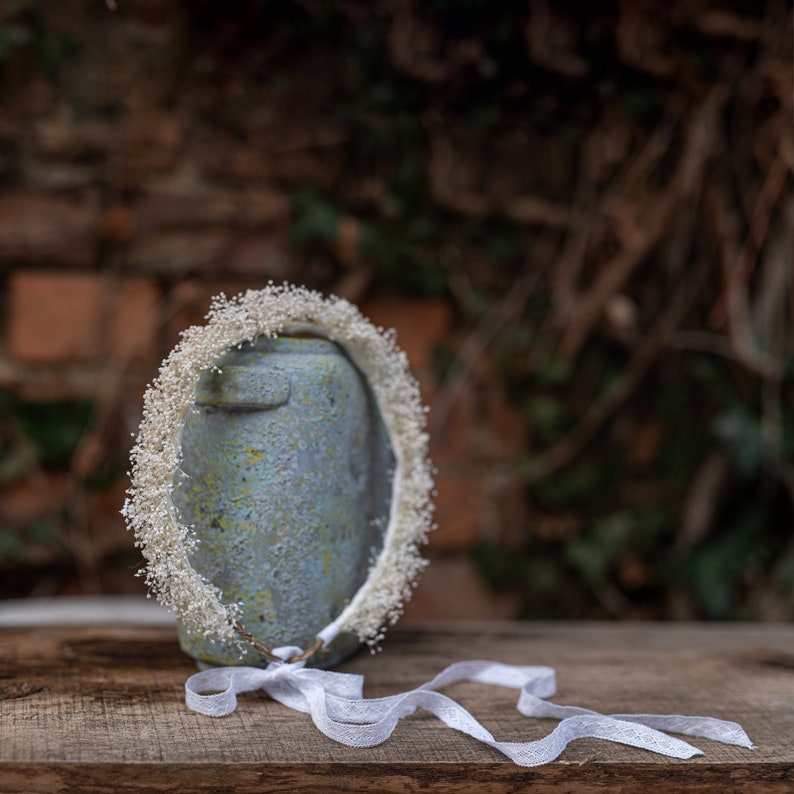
[174, 253]
[54, 317]
[452, 422]
[117, 224]
[194, 209]
[264, 256]
[64, 318]
[421, 326]
[475, 421]
[452, 589]
[136, 321]
[225, 159]
[38, 227]
[458, 511]
[148, 141]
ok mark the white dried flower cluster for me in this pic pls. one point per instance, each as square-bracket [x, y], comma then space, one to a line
[149, 510]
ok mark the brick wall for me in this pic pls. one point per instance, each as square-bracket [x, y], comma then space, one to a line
[127, 200]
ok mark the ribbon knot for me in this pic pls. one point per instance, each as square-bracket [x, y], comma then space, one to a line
[337, 707]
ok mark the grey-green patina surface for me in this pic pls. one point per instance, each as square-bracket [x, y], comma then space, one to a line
[289, 476]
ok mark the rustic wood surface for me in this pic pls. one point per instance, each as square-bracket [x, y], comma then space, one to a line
[102, 708]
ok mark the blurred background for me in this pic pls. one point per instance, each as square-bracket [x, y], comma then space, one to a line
[578, 216]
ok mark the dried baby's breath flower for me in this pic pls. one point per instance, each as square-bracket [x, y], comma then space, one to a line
[166, 543]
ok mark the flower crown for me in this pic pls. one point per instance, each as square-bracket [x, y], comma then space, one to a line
[166, 543]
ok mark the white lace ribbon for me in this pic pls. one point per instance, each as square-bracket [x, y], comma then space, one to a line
[338, 708]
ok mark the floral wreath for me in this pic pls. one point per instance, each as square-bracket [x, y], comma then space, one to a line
[166, 543]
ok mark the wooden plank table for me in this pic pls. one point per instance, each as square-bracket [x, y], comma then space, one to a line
[100, 708]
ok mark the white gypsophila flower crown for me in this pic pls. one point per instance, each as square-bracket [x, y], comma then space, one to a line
[149, 510]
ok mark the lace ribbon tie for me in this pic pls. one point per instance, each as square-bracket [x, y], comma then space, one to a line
[336, 704]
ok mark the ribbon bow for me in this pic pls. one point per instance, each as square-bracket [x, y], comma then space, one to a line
[338, 708]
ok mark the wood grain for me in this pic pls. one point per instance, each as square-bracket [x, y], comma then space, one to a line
[102, 708]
